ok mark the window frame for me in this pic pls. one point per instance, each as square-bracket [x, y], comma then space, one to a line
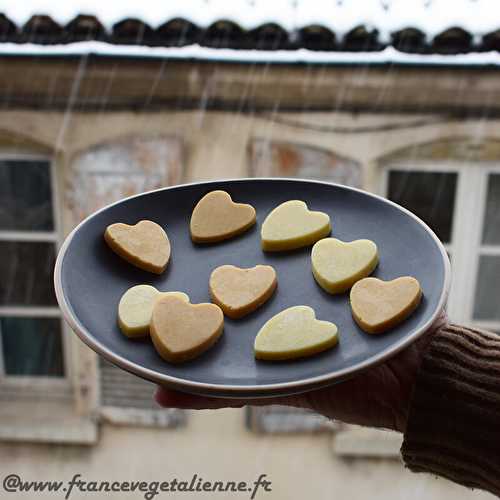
[467, 228]
[479, 248]
[32, 384]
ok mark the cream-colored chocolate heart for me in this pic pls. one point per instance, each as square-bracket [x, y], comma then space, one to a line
[378, 305]
[337, 265]
[144, 245]
[181, 331]
[292, 225]
[136, 306]
[294, 333]
[217, 217]
[238, 291]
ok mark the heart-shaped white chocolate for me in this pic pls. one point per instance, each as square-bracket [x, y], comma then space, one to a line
[294, 333]
[378, 305]
[238, 291]
[337, 265]
[292, 225]
[145, 245]
[136, 306]
[181, 331]
[217, 217]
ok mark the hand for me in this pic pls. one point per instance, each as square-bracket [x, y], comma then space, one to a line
[378, 397]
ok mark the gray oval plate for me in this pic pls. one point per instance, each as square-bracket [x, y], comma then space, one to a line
[90, 279]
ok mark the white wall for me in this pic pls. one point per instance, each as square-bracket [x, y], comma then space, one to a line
[217, 446]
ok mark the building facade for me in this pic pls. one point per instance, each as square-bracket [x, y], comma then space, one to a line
[84, 126]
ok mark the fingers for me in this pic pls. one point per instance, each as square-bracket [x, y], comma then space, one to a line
[170, 398]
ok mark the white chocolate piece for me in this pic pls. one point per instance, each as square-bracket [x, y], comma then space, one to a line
[136, 306]
[292, 225]
[378, 306]
[294, 333]
[337, 265]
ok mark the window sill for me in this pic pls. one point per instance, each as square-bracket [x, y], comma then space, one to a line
[32, 389]
[143, 417]
[45, 422]
[286, 420]
[364, 442]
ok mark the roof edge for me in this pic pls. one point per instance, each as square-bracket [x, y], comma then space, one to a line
[387, 56]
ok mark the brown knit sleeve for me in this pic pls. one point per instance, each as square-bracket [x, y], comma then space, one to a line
[453, 427]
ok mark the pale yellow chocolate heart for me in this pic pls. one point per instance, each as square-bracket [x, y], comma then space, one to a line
[181, 331]
[337, 265]
[292, 225]
[378, 305]
[217, 217]
[136, 306]
[294, 333]
[144, 245]
[238, 291]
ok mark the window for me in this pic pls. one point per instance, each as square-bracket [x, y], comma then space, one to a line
[430, 195]
[461, 203]
[31, 342]
[485, 310]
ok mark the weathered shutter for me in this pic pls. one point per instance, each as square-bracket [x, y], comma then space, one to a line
[285, 159]
[127, 399]
[97, 177]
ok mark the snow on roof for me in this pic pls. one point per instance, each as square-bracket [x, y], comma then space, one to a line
[194, 52]
[432, 17]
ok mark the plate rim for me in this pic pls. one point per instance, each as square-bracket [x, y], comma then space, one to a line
[232, 390]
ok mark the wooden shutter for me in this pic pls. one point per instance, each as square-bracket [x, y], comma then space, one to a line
[127, 399]
[97, 177]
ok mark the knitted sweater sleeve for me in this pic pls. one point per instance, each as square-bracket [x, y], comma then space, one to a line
[453, 427]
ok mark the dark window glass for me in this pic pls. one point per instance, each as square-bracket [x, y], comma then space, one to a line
[491, 222]
[26, 273]
[25, 196]
[32, 346]
[487, 300]
[430, 195]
